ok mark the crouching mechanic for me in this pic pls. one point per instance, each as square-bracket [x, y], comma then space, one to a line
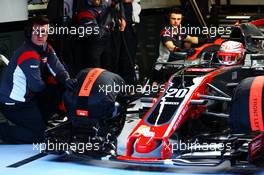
[23, 79]
[94, 100]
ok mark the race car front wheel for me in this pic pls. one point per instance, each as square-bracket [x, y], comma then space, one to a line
[246, 113]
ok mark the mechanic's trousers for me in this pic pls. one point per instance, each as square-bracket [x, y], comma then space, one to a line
[97, 53]
[28, 125]
[30, 118]
[124, 48]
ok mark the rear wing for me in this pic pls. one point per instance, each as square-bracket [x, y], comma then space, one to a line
[258, 23]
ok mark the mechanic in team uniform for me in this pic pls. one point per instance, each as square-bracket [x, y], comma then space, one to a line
[101, 16]
[96, 108]
[172, 40]
[124, 56]
[94, 96]
[23, 79]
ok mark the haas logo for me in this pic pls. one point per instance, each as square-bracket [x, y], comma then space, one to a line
[145, 131]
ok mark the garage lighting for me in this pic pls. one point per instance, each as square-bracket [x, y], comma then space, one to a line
[238, 17]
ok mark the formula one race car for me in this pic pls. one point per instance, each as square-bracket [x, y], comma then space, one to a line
[209, 111]
[208, 104]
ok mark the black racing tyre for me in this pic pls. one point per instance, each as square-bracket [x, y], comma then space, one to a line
[240, 106]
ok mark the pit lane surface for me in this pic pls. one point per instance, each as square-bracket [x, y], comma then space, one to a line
[53, 164]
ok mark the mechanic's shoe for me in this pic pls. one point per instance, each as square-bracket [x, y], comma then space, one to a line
[56, 120]
[113, 152]
[1, 141]
[109, 146]
[2, 118]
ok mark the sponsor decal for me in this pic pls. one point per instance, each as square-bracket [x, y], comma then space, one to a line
[145, 131]
[82, 113]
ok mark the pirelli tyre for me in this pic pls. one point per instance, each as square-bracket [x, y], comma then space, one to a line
[246, 113]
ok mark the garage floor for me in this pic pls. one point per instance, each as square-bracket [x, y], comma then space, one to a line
[49, 164]
[54, 164]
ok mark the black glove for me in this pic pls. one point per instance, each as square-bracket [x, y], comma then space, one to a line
[70, 84]
[189, 52]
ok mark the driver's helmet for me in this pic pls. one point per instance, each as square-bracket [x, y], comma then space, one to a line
[231, 52]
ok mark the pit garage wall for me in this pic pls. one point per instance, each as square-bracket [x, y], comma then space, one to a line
[10, 41]
[148, 32]
[147, 4]
[243, 2]
[13, 10]
[13, 14]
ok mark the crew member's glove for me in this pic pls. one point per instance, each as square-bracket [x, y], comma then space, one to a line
[189, 52]
[70, 84]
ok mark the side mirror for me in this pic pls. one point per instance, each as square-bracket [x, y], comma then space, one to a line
[257, 37]
[250, 50]
[257, 57]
